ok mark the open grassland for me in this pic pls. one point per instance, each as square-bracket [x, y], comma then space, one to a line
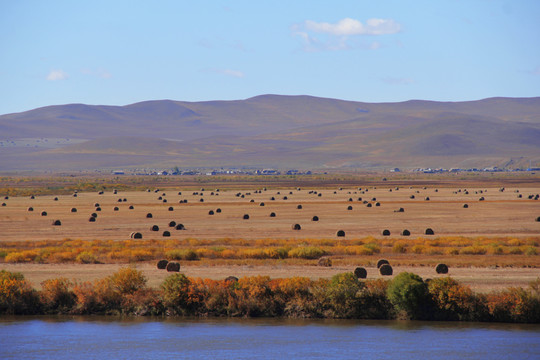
[492, 243]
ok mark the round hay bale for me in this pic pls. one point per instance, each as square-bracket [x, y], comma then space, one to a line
[93, 215]
[386, 270]
[369, 205]
[97, 205]
[131, 207]
[272, 198]
[427, 198]
[441, 269]
[202, 200]
[30, 209]
[429, 231]
[74, 195]
[115, 192]
[218, 210]
[285, 198]
[296, 227]
[400, 210]
[315, 218]
[32, 197]
[381, 262]
[319, 194]
[325, 261]
[73, 210]
[116, 208]
[538, 219]
[411, 197]
[386, 232]
[481, 199]
[92, 219]
[162, 264]
[299, 207]
[349, 208]
[231, 279]
[179, 193]
[149, 216]
[173, 267]
[57, 223]
[154, 228]
[350, 200]
[377, 204]
[137, 235]
[43, 213]
[360, 273]
[6, 197]
[246, 217]
[261, 204]
[170, 208]
[119, 200]
[251, 201]
[211, 212]
[55, 199]
[273, 214]
[164, 201]
[340, 233]
[100, 193]
[405, 233]
[180, 227]
[3, 204]
[172, 224]
[98, 209]
[465, 206]
[166, 233]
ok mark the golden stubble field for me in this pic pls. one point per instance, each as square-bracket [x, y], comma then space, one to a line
[501, 214]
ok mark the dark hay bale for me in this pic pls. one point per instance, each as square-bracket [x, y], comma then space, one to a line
[218, 210]
[231, 279]
[115, 192]
[465, 206]
[272, 198]
[296, 227]
[246, 217]
[299, 207]
[427, 198]
[30, 209]
[100, 193]
[172, 224]
[441, 269]
[55, 199]
[3, 204]
[164, 201]
[202, 200]
[369, 205]
[360, 273]
[350, 200]
[340, 233]
[154, 228]
[319, 195]
[73, 210]
[131, 207]
[273, 214]
[116, 208]
[43, 213]
[92, 219]
[57, 223]
[411, 197]
[377, 204]
[405, 233]
[136, 235]
[32, 197]
[349, 208]
[211, 212]
[6, 197]
[285, 198]
[74, 195]
[94, 215]
[179, 193]
[386, 232]
[429, 231]
[261, 204]
[180, 227]
[386, 270]
[325, 261]
[481, 199]
[173, 267]
[162, 264]
[97, 205]
[381, 262]
[251, 201]
[98, 209]
[166, 233]
[538, 219]
[119, 200]
[315, 218]
[149, 216]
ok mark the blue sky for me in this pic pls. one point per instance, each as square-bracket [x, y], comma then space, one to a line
[121, 52]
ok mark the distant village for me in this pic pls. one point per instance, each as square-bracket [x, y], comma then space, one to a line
[266, 172]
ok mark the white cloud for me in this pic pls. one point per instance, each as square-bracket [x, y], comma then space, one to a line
[350, 26]
[55, 75]
[319, 36]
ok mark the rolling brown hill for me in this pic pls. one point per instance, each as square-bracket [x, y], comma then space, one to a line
[274, 131]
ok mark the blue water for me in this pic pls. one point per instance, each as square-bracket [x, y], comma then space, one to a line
[101, 338]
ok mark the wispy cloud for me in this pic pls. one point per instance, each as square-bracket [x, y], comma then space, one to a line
[337, 36]
[397, 81]
[227, 72]
[55, 75]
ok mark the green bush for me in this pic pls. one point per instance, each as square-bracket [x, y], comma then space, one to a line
[175, 293]
[182, 254]
[409, 295]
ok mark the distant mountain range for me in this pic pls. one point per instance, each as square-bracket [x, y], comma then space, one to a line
[274, 131]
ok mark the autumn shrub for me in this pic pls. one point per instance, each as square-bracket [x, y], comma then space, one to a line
[409, 295]
[56, 295]
[531, 250]
[16, 295]
[374, 300]
[127, 281]
[373, 247]
[182, 254]
[307, 252]
[254, 298]
[175, 294]
[400, 247]
[454, 301]
[473, 250]
[21, 257]
[87, 257]
[515, 305]
[341, 296]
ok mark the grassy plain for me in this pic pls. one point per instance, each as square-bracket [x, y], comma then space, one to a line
[493, 243]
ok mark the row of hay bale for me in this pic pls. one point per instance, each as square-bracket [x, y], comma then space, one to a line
[170, 266]
[405, 232]
[385, 269]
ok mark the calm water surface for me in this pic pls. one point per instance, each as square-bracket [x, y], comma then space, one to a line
[103, 338]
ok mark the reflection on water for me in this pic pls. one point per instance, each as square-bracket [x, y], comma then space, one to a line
[114, 338]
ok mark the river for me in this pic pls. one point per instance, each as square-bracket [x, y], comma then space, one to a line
[114, 338]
